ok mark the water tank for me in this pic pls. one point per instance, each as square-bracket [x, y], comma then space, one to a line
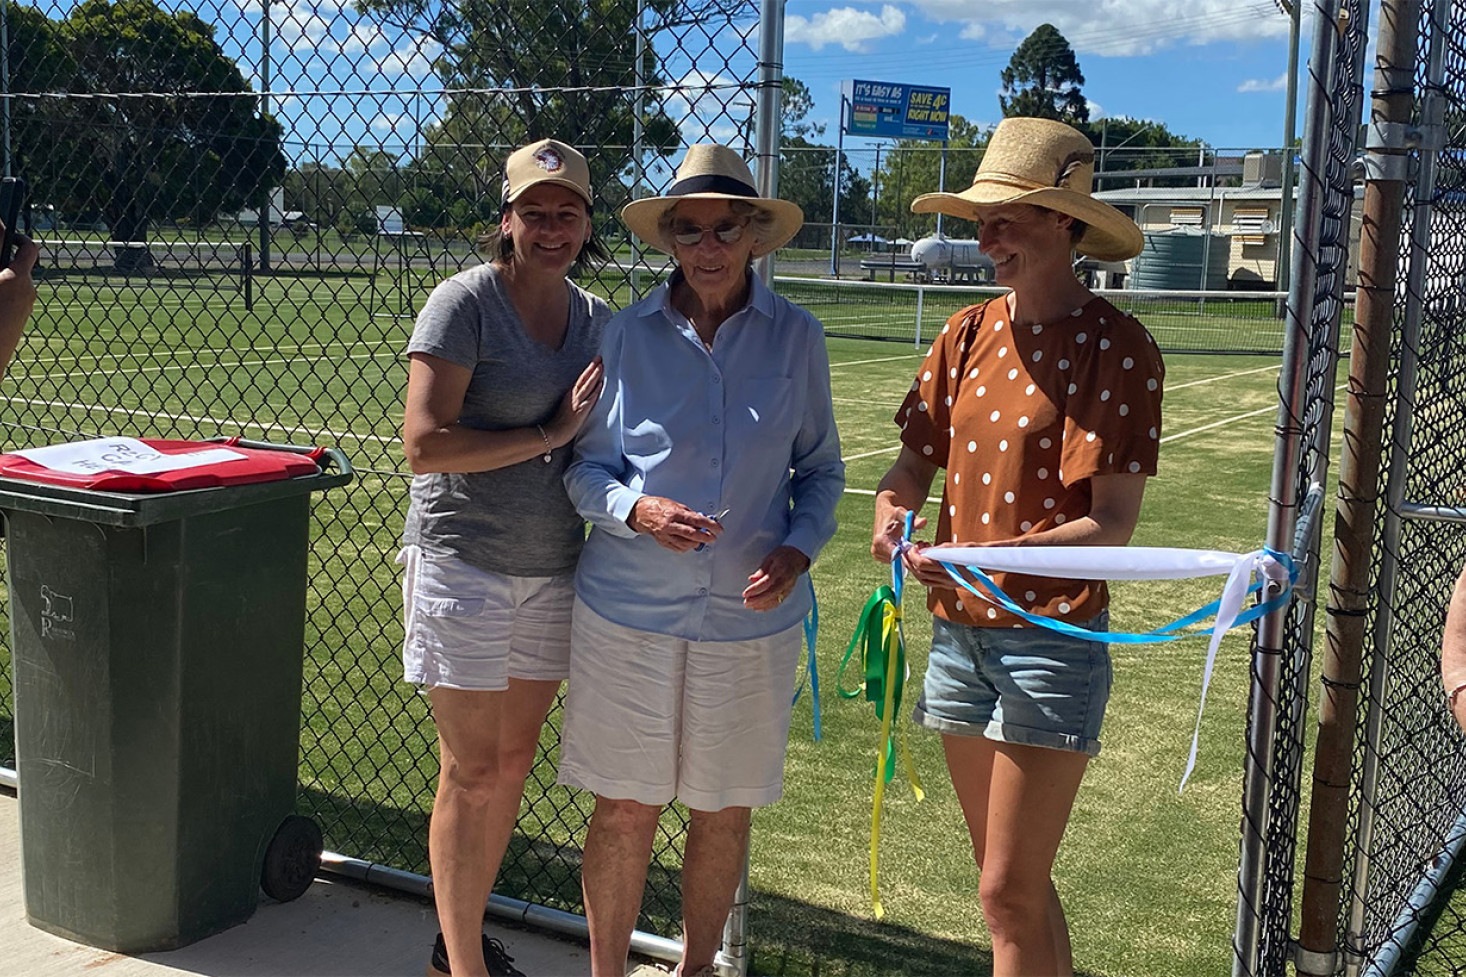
[1172, 259]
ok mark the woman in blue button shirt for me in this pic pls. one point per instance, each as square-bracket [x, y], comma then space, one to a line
[710, 471]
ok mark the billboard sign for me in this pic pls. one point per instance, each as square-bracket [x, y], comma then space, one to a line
[879, 108]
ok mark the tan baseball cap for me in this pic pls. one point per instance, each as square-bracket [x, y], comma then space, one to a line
[547, 161]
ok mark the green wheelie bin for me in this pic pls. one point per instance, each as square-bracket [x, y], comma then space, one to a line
[157, 648]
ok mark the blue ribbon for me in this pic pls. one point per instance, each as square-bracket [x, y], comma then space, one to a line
[811, 636]
[1157, 635]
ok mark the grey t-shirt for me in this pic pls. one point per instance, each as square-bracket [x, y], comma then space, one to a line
[517, 520]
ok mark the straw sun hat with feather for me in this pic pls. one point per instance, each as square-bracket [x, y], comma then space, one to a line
[1046, 164]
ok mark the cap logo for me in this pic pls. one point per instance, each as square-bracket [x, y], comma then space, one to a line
[549, 160]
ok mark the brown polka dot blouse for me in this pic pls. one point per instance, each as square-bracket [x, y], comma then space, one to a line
[1021, 419]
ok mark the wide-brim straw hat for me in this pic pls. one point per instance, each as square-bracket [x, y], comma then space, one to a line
[1046, 164]
[710, 171]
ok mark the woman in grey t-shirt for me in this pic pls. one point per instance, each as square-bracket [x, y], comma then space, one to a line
[503, 371]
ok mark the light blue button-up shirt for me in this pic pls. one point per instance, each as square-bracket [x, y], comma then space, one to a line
[748, 427]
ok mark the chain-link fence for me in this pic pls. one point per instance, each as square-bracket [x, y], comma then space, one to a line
[1282, 658]
[1388, 810]
[240, 207]
[1408, 785]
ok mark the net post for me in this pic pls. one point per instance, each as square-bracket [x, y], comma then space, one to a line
[920, 301]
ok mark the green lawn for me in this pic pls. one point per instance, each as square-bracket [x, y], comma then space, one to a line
[1149, 877]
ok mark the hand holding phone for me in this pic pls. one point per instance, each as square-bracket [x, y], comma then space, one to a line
[12, 199]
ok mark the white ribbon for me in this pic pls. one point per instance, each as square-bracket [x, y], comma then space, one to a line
[1136, 563]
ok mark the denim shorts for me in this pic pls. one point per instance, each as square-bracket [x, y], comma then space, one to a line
[1030, 686]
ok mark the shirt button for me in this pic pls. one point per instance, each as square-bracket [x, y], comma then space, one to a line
[715, 463]
[716, 419]
[717, 379]
[702, 591]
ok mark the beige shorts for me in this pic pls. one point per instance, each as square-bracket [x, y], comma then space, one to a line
[650, 717]
[468, 628]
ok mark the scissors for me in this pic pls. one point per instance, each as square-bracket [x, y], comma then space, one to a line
[718, 518]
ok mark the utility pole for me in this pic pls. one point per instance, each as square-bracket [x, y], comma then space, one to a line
[1290, 112]
[264, 217]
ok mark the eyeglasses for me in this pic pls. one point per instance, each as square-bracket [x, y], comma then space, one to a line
[688, 235]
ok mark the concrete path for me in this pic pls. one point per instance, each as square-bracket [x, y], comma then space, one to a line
[337, 929]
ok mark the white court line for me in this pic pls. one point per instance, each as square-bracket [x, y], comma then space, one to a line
[200, 419]
[1273, 409]
[1224, 376]
[871, 492]
[863, 403]
[871, 454]
[192, 366]
[883, 359]
[301, 347]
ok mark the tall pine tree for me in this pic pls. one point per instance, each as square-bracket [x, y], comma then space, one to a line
[1042, 79]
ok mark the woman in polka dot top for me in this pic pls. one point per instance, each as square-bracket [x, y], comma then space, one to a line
[1043, 407]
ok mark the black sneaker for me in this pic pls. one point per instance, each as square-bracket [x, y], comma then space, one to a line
[496, 959]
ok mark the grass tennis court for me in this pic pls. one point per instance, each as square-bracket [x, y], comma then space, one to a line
[1148, 876]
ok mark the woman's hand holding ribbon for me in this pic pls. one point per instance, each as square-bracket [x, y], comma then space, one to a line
[923, 566]
[890, 523]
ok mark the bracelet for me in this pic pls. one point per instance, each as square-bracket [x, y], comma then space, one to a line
[548, 447]
[1453, 695]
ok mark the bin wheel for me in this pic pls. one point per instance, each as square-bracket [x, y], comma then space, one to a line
[292, 859]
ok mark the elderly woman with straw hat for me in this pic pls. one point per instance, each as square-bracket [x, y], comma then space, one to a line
[709, 470]
[1044, 407]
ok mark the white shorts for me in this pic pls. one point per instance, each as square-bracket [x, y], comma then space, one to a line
[650, 717]
[468, 628]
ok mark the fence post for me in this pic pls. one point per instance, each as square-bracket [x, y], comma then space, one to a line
[247, 275]
[1432, 117]
[1266, 691]
[1359, 481]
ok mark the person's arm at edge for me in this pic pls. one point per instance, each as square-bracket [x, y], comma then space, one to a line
[17, 297]
[1453, 648]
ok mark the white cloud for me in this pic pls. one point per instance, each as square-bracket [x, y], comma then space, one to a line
[710, 108]
[363, 37]
[1096, 110]
[1277, 84]
[1114, 27]
[412, 57]
[387, 121]
[850, 28]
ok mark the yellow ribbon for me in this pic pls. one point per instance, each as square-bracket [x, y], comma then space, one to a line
[884, 661]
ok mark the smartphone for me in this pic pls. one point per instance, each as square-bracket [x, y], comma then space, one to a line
[12, 199]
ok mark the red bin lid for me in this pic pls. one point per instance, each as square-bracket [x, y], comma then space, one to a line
[134, 465]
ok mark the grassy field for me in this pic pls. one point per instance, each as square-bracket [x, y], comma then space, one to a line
[1148, 876]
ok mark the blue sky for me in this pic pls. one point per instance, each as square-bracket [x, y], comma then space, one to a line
[1210, 69]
